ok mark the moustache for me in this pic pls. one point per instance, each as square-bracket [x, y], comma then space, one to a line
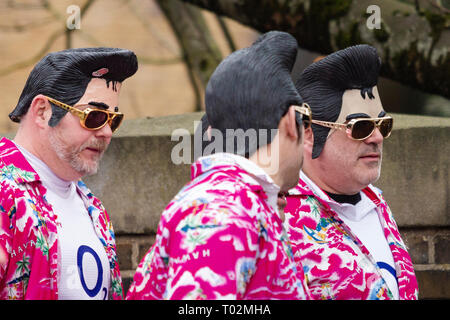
[373, 149]
[95, 144]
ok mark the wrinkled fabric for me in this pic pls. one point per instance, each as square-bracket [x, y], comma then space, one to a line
[335, 262]
[28, 232]
[219, 239]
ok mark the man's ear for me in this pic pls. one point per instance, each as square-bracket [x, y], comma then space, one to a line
[40, 111]
[308, 141]
[290, 123]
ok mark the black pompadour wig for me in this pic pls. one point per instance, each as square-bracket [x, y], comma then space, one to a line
[252, 89]
[65, 75]
[323, 83]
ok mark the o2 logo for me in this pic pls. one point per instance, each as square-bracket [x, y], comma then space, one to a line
[91, 292]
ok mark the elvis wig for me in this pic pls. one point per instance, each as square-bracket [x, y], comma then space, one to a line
[65, 75]
[252, 89]
[323, 83]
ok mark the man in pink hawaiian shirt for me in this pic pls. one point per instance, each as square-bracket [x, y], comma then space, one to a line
[57, 237]
[341, 229]
[222, 235]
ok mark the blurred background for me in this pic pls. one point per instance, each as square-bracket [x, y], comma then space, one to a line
[179, 45]
[163, 84]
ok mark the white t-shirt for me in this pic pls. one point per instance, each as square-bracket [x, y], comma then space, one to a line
[83, 266]
[362, 219]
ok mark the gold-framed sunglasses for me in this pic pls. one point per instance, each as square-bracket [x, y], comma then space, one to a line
[92, 119]
[306, 113]
[362, 128]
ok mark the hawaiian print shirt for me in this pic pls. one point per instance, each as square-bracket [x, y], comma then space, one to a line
[335, 262]
[219, 239]
[28, 231]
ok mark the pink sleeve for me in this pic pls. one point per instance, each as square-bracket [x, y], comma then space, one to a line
[206, 254]
[7, 209]
[212, 262]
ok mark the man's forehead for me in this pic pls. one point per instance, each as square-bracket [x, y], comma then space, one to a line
[355, 106]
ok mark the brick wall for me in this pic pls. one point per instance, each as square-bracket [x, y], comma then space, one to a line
[430, 252]
[130, 251]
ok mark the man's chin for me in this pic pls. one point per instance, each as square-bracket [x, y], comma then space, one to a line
[370, 179]
[85, 167]
[90, 172]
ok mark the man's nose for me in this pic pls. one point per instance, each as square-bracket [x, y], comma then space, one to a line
[376, 137]
[104, 132]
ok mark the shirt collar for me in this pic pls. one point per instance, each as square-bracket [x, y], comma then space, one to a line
[255, 174]
[308, 187]
[15, 163]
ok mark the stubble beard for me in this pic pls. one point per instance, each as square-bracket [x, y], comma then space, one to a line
[72, 155]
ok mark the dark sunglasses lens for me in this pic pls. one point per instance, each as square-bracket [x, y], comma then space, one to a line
[386, 127]
[115, 123]
[362, 129]
[96, 119]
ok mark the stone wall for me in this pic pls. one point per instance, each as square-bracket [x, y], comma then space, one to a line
[137, 179]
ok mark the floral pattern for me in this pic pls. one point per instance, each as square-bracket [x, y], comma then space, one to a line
[335, 262]
[28, 231]
[219, 239]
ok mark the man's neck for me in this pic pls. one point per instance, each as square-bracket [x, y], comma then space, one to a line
[26, 141]
[344, 198]
[263, 160]
[43, 152]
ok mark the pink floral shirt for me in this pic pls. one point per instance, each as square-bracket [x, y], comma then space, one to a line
[335, 262]
[28, 231]
[219, 239]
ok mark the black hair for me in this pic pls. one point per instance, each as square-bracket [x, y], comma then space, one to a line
[323, 83]
[252, 89]
[64, 76]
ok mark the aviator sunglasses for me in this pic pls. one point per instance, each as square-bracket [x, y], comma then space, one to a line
[92, 119]
[306, 114]
[362, 128]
